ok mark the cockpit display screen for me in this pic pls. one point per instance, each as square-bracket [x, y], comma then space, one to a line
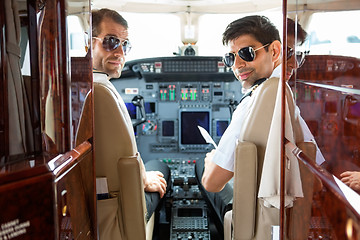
[149, 107]
[131, 109]
[190, 212]
[168, 129]
[189, 121]
[221, 126]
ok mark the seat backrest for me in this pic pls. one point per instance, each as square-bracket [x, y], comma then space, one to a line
[256, 131]
[251, 216]
[243, 215]
[123, 215]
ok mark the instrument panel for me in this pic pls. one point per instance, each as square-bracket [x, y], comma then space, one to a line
[180, 93]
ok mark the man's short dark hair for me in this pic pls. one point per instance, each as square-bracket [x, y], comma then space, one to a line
[301, 33]
[99, 15]
[259, 27]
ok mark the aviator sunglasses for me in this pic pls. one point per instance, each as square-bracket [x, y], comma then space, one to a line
[299, 56]
[111, 43]
[247, 54]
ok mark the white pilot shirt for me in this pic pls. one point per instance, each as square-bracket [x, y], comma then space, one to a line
[224, 154]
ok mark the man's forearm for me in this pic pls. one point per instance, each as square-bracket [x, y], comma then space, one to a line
[214, 177]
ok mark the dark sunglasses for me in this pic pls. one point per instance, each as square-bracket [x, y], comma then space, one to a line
[299, 56]
[111, 43]
[247, 54]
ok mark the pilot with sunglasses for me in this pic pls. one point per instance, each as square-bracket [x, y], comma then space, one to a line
[255, 58]
[110, 45]
[295, 59]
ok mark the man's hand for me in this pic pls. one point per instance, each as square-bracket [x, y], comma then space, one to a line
[352, 179]
[155, 182]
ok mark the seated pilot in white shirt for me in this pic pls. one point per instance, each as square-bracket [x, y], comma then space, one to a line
[255, 58]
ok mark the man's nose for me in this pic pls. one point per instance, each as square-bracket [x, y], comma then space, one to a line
[292, 62]
[239, 62]
[119, 51]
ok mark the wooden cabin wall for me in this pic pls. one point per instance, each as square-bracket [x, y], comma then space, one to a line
[3, 88]
[327, 92]
[54, 79]
[54, 184]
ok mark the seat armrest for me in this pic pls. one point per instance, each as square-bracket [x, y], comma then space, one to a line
[227, 225]
[131, 198]
[245, 190]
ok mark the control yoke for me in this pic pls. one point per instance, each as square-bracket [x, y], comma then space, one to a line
[138, 101]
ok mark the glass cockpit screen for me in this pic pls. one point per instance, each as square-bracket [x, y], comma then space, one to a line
[189, 122]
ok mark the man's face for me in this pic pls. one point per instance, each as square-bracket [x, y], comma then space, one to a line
[297, 58]
[291, 64]
[248, 72]
[110, 62]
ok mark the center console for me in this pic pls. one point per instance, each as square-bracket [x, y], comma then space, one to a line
[189, 211]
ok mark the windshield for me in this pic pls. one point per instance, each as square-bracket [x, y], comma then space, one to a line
[159, 35]
[334, 37]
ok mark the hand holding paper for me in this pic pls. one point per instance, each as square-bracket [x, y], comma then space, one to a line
[207, 136]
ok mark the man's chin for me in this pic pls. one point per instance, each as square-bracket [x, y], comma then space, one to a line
[245, 84]
[115, 73]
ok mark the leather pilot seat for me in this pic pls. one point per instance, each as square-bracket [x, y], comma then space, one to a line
[122, 216]
[251, 217]
[246, 212]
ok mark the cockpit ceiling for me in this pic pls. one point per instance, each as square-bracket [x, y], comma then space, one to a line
[199, 6]
[222, 6]
[210, 6]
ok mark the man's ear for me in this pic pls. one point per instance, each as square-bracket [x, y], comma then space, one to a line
[275, 49]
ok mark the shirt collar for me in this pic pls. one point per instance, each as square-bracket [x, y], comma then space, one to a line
[276, 72]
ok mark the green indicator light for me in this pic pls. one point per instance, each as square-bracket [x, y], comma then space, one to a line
[172, 94]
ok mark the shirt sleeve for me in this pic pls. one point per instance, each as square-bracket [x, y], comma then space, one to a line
[308, 137]
[224, 155]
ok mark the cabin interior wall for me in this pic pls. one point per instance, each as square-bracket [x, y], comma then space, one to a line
[3, 89]
[327, 93]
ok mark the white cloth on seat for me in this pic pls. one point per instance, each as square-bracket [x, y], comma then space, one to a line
[269, 189]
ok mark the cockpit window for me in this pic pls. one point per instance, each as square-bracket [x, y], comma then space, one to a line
[153, 35]
[329, 36]
[159, 34]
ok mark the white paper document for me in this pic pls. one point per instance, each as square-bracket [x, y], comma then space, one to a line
[207, 136]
